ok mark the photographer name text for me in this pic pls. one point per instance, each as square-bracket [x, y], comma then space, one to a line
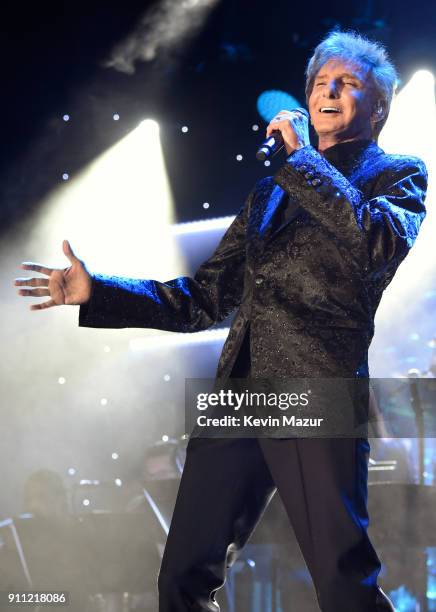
[252, 421]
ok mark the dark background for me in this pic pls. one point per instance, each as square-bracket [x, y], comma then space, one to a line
[53, 63]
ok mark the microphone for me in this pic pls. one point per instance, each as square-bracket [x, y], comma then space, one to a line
[274, 144]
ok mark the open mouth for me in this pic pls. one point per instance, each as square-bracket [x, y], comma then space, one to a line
[333, 110]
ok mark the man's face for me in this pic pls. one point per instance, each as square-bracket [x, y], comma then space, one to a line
[348, 88]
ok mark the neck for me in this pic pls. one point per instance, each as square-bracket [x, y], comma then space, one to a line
[329, 140]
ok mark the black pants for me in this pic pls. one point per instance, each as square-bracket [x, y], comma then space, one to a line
[226, 486]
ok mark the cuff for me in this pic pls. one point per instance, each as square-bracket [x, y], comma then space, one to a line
[303, 166]
[94, 312]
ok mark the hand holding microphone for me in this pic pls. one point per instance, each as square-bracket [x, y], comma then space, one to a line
[289, 130]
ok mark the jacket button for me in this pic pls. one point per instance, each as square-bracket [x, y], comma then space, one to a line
[316, 182]
[308, 175]
[302, 168]
[259, 280]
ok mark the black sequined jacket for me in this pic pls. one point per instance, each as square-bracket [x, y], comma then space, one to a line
[304, 264]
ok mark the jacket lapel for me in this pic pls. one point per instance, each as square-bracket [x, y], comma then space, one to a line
[278, 199]
[272, 209]
[292, 210]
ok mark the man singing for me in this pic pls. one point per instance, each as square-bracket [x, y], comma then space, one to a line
[304, 265]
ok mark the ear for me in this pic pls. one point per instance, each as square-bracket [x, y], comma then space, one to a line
[379, 111]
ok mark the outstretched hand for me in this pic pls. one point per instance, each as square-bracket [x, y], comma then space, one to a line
[70, 285]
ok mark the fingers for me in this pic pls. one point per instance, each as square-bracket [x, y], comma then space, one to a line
[276, 125]
[68, 251]
[34, 292]
[43, 305]
[293, 126]
[30, 265]
[283, 120]
[31, 282]
[279, 122]
[283, 126]
[287, 114]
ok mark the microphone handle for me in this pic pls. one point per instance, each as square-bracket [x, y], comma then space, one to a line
[274, 144]
[271, 146]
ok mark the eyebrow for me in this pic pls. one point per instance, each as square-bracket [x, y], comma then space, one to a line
[344, 74]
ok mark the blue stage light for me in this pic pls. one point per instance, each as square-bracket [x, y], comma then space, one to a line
[403, 600]
[271, 102]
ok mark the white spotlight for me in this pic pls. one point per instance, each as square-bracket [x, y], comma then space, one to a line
[409, 130]
[158, 341]
[410, 127]
[126, 199]
[150, 125]
[424, 77]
